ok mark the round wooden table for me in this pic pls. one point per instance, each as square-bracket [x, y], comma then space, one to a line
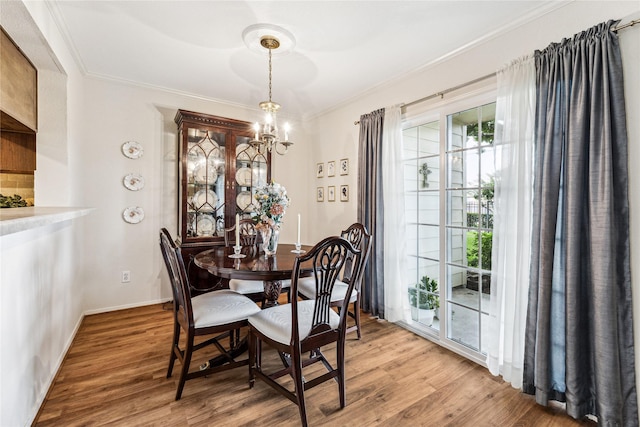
[254, 266]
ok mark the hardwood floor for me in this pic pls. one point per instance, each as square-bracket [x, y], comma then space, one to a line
[114, 374]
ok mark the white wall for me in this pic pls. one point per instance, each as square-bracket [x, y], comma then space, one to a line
[119, 113]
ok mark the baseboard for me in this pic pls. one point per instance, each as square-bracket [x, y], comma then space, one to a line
[125, 306]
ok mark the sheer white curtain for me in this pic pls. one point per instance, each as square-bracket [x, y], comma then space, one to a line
[394, 220]
[514, 131]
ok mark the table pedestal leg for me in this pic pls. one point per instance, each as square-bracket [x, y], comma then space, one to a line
[272, 290]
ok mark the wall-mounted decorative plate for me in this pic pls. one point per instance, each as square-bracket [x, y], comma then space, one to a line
[132, 149]
[133, 181]
[133, 214]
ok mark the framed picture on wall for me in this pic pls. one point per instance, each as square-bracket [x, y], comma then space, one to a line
[344, 193]
[331, 168]
[331, 193]
[320, 194]
[320, 170]
[344, 167]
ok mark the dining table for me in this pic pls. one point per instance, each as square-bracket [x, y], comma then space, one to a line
[254, 265]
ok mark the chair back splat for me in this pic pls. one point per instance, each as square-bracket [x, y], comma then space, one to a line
[305, 326]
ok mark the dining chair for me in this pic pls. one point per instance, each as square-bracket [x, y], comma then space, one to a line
[221, 312]
[305, 326]
[359, 237]
[249, 236]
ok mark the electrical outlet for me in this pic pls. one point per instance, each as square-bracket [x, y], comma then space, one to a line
[126, 276]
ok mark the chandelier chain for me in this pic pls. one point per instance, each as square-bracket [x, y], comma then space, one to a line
[269, 74]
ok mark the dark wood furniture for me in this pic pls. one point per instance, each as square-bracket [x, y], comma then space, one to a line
[221, 313]
[247, 233]
[305, 326]
[219, 172]
[360, 238]
[255, 266]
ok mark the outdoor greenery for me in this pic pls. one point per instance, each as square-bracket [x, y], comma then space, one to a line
[488, 129]
[473, 249]
[424, 294]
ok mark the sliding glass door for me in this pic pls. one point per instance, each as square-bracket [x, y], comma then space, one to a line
[449, 169]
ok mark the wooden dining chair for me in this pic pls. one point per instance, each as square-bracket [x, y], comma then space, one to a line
[221, 313]
[249, 236]
[305, 326]
[359, 237]
[247, 232]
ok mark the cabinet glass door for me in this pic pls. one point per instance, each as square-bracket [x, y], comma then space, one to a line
[251, 173]
[205, 181]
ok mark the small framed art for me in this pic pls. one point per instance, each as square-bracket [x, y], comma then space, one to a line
[344, 193]
[320, 194]
[331, 193]
[331, 168]
[320, 170]
[344, 167]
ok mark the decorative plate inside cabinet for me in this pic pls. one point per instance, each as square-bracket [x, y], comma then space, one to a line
[243, 177]
[205, 200]
[205, 224]
[244, 201]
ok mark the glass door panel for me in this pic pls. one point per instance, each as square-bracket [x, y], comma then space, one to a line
[205, 182]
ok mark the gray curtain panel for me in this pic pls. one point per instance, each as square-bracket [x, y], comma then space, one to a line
[370, 209]
[579, 336]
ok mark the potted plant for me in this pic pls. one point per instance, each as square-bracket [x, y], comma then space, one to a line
[424, 300]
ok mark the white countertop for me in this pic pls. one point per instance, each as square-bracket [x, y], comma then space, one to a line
[14, 220]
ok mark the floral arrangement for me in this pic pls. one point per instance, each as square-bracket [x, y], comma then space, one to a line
[273, 201]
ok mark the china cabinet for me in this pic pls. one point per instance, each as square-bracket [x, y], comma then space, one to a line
[219, 172]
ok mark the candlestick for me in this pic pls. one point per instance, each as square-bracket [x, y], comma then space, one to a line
[297, 250]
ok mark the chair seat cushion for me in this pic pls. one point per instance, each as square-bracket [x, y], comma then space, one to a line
[307, 287]
[275, 322]
[221, 307]
[252, 286]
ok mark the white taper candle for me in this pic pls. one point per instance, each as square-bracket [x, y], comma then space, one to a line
[237, 230]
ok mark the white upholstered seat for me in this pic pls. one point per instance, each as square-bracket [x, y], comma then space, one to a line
[246, 287]
[220, 308]
[307, 287]
[275, 322]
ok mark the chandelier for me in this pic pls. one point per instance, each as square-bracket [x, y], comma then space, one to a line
[267, 136]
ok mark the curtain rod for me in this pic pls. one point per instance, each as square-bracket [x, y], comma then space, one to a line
[442, 93]
[628, 24]
[479, 79]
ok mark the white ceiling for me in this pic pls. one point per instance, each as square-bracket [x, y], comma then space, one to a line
[342, 48]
